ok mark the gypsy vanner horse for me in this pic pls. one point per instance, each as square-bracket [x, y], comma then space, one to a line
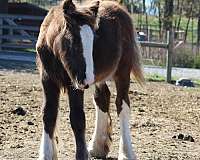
[81, 45]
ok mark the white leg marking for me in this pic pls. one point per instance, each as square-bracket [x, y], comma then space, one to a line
[47, 148]
[87, 38]
[100, 142]
[125, 147]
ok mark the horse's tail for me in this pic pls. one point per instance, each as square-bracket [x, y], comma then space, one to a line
[137, 68]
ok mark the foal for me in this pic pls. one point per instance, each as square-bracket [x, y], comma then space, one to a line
[79, 46]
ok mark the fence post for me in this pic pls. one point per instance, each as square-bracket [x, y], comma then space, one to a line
[170, 50]
[3, 9]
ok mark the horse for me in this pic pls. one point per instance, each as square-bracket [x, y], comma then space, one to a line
[79, 46]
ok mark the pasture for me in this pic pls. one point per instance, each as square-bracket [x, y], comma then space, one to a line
[159, 111]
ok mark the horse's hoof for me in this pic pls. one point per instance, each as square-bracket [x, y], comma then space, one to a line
[82, 155]
[99, 150]
[122, 156]
[47, 158]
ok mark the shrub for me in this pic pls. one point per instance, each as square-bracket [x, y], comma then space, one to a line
[196, 62]
[183, 57]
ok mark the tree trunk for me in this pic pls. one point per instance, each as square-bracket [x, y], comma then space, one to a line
[198, 33]
[144, 7]
[168, 14]
[146, 15]
[160, 20]
[177, 8]
[188, 22]
[180, 16]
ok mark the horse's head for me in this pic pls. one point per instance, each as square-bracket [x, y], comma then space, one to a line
[77, 42]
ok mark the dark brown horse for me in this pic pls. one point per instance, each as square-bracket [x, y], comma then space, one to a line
[79, 46]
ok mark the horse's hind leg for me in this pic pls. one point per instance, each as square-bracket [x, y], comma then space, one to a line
[123, 110]
[101, 139]
[50, 108]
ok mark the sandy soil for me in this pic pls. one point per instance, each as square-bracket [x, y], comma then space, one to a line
[159, 111]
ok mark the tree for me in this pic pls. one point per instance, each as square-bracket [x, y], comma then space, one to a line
[168, 14]
[156, 6]
[198, 33]
[188, 22]
[146, 15]
[180, 9]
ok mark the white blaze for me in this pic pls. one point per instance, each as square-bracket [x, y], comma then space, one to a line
[125, 147]
[47, 148]
[87, 38]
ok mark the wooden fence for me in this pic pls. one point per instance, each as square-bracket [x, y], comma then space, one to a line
[169, 45]
[18, 34]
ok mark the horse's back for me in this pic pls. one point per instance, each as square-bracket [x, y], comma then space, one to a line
[113, 38]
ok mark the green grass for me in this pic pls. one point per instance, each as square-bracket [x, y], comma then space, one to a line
[154, 78]
[158, 78]
[197, 82]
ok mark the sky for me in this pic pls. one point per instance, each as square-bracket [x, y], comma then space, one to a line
[148, 2]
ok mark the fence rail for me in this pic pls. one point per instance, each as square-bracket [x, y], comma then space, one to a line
[17, 35]
[10, 16]
[153, 44]
[170, 49]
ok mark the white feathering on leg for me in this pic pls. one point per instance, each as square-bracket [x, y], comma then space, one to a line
[125, 147]
[47, 148]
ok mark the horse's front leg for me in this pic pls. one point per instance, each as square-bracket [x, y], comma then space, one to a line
[50, 109]
[77, 119]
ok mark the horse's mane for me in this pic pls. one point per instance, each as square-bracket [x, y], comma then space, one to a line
[82, 13]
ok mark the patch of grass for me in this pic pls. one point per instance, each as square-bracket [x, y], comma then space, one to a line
[159, 78]
[183, 58]
[197, 83]
[196, 62]
[155, 78]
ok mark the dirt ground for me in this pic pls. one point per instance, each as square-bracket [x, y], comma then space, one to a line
[159, 111]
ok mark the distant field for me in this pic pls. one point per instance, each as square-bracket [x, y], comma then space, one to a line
[154, 23]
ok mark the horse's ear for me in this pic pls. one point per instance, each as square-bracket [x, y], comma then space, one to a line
[68, 7]
[94, 7]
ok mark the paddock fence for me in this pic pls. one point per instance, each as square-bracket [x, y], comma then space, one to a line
[169, 46]
[18, 36]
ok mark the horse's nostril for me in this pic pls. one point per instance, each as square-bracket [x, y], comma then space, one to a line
[86, 86]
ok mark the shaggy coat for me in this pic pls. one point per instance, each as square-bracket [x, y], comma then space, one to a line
[65, 34]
